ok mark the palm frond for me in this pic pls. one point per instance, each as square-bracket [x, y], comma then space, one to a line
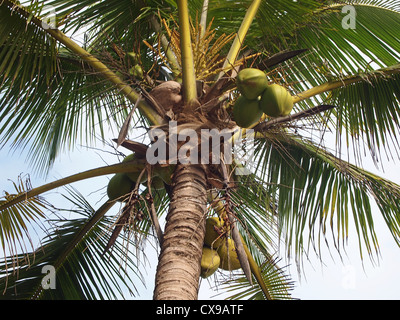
[118, 15]
[366, 111]
[317, 192]
[21, 210]
[278, 283]
[82, 272]
[257, 223]
[335, 52]
[53, 96]
[16, 221]
[228, 15]
[43, 90]
[368, 115]
[21, 42]
[319, 26]
[72, 109]
[24, 194]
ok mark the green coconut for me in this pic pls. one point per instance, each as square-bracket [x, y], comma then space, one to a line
[209, 262]
[119, 186]
[246, 112]
[276, 101]
[157, 183]
[136, 71]
[133, 57]
[165, 172]
[251, 82]
[213, 238]
[228, 256]
[136, 168]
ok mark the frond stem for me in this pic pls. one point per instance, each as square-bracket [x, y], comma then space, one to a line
[116, 168]
[332, 85]
[241, 34]
[203, 18]
[188, 72]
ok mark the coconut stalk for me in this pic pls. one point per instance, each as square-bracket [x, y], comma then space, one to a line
[95, 63]
[170, 55]
[241, 34]
[188, 72]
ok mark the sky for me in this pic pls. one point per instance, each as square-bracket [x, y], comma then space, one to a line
[351, 278]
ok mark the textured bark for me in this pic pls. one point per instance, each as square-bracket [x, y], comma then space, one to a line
[178, 270]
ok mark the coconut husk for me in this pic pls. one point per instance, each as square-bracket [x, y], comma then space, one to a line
[168, 95]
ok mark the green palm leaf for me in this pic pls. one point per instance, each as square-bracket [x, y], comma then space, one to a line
[16, 221]
[346, 50]
[74, 248]
[256, 218]
[317, 192]
[20, 42]
[366, 107]
[58, 103]
[278, 283]
[63, 100]
[63, 115]
[368, 113]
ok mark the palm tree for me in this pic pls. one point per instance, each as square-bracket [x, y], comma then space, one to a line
[149, 63]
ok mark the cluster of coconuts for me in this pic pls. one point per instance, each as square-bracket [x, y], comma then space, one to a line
[122, 184]
[218, 250]
[258, 97]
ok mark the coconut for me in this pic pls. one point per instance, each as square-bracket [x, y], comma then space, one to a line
[136, 71]
[165, 172]
[119, 186]
[246, 112]
[212, 238]
[168, 95]
[137, 168]
[209, 262]
[228, 256]
[251, 82]
[276, 101]
[157, 183]
[133, 57]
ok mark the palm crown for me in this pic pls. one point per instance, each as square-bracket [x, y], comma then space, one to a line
[339, 61]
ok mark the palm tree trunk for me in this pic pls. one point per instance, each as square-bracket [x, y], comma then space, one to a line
[178, 270]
